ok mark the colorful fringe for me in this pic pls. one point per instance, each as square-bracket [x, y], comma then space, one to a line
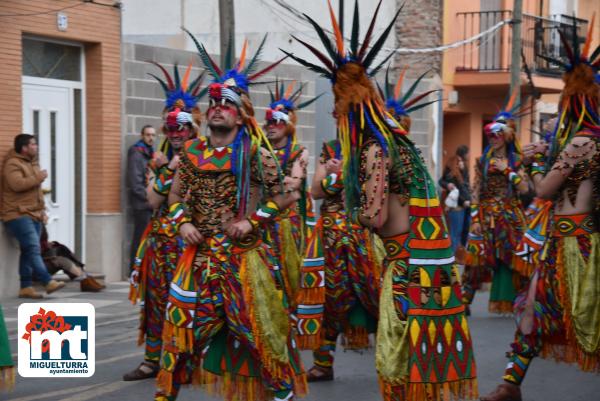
[529, 251]
[311, 296]
[402, 342]
[502, 224]
[225, 289]
[557, 317]
[348, 277]
[7, 369]
[155, 263]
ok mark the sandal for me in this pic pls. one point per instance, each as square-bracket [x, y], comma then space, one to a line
[146, 370]
[319, 374]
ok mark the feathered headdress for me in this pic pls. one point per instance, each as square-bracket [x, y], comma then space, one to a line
[231, 83]
[283, 107]
[578, 107]
[503, 124]
[359, 109]
[181, 99]
[401, 105]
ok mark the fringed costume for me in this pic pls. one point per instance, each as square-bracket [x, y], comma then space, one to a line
[288, 232]
[7, 368]
[498, 212]
[160, 246]
[424, 349]
[558, 316]
[228, 328]
[352, 260]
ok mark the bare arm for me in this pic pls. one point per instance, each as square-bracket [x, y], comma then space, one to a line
[316, 188]
[374, 197]
[578, 149]
[175, 193]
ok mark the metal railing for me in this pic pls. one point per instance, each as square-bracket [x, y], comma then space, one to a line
[493, 52]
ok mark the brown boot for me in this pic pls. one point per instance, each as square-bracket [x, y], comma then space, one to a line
[54, 285]
[89, 284]
[504, 392]
[29, 292]
[146, 370]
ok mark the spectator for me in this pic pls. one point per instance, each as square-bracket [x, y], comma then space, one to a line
[138, 157]
[456, 179]
[58, 257]
[23, 212]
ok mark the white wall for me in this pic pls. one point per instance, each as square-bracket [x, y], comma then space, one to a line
[158, 22]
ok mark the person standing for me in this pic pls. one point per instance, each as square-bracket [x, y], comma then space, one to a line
[456, 179]
[228, 327]
[138, 157]
[23, 212]
[558, 315]
[157, 256]
[387, 188]
[497, 214]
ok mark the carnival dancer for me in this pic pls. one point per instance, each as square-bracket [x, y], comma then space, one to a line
[228, 326]
[558, 316]
[387, 187]
[7, 368]
[160, 245]
[287, 232]
[351, 257]
[497, 214]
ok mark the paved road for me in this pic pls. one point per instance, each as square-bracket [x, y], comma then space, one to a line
[117, 353]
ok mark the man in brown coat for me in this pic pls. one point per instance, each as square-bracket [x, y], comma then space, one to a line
[23, 212]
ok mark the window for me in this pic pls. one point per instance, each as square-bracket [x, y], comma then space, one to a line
[51, 60]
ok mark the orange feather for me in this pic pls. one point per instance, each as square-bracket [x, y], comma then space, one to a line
[186, 77]
[289, 89]
[243, 55]
[398, 86]
[336, 30]
[511, 101]
[588, 39]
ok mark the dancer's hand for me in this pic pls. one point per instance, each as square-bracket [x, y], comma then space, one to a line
[333, 166]
[174, 162]
[160, 159]
[239, 229]
[498, 164]
[190, 234]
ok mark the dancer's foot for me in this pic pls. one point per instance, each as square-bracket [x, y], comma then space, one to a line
[145, 370]
[319, 374]
[504, 392]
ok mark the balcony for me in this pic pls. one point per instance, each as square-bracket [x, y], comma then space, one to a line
[491, 54]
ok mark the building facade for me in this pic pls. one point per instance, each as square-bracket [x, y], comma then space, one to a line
[476, 75]
[61, 81]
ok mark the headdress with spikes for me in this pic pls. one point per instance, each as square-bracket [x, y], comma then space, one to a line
[283, 106]
[362, 117]
[401, 105]
[504, 124]
[181, 99]
[578, 107]
[231, 83]
[359, 109]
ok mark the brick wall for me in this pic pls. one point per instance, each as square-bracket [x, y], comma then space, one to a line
[419, 25]
[98, 27]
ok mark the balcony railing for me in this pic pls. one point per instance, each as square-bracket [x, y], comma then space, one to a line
[539, 35]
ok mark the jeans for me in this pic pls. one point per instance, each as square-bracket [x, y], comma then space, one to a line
[27, 232]
[457, 221]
